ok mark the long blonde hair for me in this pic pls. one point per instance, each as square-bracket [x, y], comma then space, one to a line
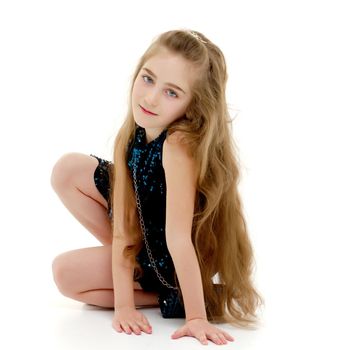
[219, 231]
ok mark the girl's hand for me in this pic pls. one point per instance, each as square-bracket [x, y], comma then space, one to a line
[129, 320]
[202, 330]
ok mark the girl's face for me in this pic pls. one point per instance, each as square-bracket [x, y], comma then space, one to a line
[163, 87]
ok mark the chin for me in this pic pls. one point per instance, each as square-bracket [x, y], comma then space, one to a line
[140, 122]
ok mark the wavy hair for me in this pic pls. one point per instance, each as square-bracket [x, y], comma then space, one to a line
[219, 230]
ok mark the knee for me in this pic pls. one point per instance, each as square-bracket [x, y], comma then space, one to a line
[63, 170]
[61, 271]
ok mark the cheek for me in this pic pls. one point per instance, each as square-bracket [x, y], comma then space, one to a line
[136, 91]
[180, 110]
[176, 112]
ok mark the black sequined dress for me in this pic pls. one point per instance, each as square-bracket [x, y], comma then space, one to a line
[150, 178]
[146, 158]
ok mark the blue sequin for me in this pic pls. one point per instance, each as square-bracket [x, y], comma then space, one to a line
[150, 177]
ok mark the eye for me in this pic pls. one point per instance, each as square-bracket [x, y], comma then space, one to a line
[147, 77]
[173, 92]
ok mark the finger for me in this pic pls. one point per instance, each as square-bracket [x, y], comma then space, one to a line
[203, 339]
[228, 336]
[222, 338]
[135, 328]
[179, 333]
[215, 338]
[144, 320]
[145, 327]
[125, 327]
[117, 327]
[146, 323]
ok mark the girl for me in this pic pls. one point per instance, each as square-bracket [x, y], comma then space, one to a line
[167, 211]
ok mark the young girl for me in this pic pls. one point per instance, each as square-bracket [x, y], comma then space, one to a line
[167, 211]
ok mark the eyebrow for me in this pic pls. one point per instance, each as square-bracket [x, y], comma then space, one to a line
[170, 84]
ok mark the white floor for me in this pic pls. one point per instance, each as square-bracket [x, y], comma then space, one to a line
[77, 327]
[58, 323]
[302, 311]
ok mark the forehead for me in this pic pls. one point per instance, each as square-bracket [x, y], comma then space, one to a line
[171, 68]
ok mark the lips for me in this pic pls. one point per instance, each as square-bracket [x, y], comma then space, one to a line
[147, 111]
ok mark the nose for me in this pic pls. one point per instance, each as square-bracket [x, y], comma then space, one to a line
[152, 97]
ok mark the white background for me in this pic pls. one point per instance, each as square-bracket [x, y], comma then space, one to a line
[65, 68]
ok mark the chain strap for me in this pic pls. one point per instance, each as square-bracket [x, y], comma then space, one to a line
[149, 253]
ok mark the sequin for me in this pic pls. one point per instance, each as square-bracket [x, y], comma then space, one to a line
[147, 158]
[102, 175]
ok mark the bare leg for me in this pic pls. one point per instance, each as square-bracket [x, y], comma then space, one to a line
[72, 179]
[86, 275]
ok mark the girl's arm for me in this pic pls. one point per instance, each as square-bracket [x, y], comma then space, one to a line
[188, 273]
[181, 178]
[123, 272]
[126, 317]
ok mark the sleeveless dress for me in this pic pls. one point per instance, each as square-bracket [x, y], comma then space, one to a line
[150, 179]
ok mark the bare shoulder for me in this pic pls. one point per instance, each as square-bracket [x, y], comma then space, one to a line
[174, 149]
[176, 156]
[181, 186]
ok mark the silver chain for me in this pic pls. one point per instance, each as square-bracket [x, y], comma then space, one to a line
[138, 204]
